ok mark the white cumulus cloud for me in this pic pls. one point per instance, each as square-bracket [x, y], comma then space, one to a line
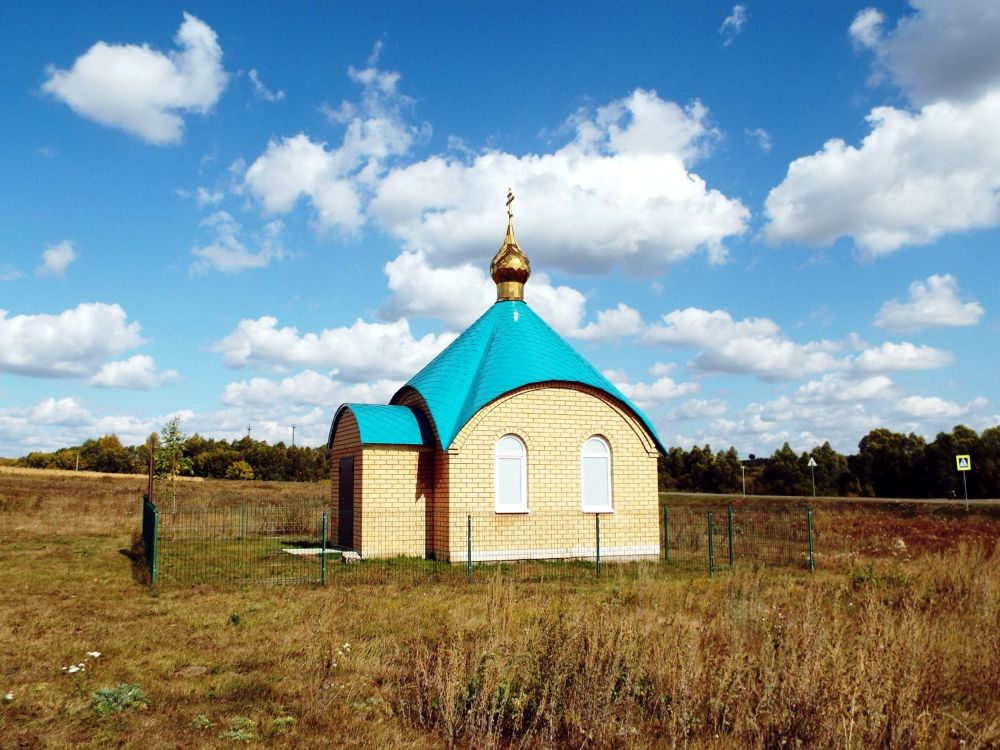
[934, 302]
[757, 346]
[698, 408]
[229, 254]
[143, 91]
[650, 395]
[866, 28]
[837, 388]
[336, 180]
[915, 177]
[934, 407]
[753, 345]
[307, 388]
[919, 173]
[619, 193]
[261, 91]
[361, 352]
[138, 372]
[459, 294]
[612, 324]
[56, 259]
[946, 49]
[732, 25]
[891, 356]
[70, 344]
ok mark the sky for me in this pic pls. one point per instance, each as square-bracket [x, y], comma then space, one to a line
[765, 222]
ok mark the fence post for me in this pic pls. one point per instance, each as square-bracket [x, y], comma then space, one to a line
[243, 518]
[468, 547]
[322, 554]
[150, 535]
[597, 547]
[812, 552]
[711, 547]
[666, 533]
[729, 520]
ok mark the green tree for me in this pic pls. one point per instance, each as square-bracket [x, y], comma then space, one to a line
[986, 463]
[169, 460]
[105, 454]
[937, 469]
[833, 475]
[215, 462]
[786, 474]
[886, 464]
[726, 473]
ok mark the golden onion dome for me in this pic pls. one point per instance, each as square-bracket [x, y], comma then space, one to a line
[510, 268]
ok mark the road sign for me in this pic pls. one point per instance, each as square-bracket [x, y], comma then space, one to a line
[812, 462]
[964, 463]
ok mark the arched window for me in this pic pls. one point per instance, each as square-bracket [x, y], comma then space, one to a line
[511, 472]
[596, 472]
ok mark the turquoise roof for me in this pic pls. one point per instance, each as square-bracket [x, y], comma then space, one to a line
[508, 347]
[388, 425]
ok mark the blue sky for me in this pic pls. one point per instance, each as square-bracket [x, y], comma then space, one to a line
[765, 222]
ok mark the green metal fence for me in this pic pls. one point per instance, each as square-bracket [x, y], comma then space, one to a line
[239, 542]
[236, 543]
[721, 537]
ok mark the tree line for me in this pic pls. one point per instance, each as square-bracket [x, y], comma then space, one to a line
[887, 464]
[177, 454]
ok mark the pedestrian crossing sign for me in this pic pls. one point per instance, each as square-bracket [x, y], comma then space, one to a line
[964, 463]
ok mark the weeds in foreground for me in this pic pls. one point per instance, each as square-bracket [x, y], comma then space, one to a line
[119, 698]
[902, 651]
[241, 729]
[885, 659]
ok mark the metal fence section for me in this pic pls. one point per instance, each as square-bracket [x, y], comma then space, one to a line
[240, 542]
[720, 537]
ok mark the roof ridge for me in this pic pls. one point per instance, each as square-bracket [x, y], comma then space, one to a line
[480, 363]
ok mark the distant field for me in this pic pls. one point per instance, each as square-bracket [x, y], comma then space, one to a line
[893, 643]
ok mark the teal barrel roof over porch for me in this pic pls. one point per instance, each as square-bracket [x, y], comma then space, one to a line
[379, 424]
[510, 346]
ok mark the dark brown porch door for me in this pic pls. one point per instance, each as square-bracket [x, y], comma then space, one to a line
[345, 503]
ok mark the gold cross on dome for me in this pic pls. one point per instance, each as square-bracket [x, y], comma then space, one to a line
[510, 199]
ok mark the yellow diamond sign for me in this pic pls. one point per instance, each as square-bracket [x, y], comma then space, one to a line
[964, 463]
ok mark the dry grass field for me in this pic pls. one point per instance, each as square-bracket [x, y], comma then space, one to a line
[894, 643]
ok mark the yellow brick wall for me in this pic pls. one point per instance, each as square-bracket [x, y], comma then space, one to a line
[398, 482]
[416, 501]
[553, 421]
[392, 486]
[438, 517]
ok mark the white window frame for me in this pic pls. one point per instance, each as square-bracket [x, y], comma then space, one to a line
[606, 454]
[522, 455]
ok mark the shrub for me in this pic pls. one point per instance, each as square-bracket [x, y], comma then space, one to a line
[120, 698]
[239, 470]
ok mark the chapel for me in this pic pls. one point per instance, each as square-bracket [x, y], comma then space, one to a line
[506, 446]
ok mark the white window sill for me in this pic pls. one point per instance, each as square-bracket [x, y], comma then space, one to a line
[598, 510]
[507, 511]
